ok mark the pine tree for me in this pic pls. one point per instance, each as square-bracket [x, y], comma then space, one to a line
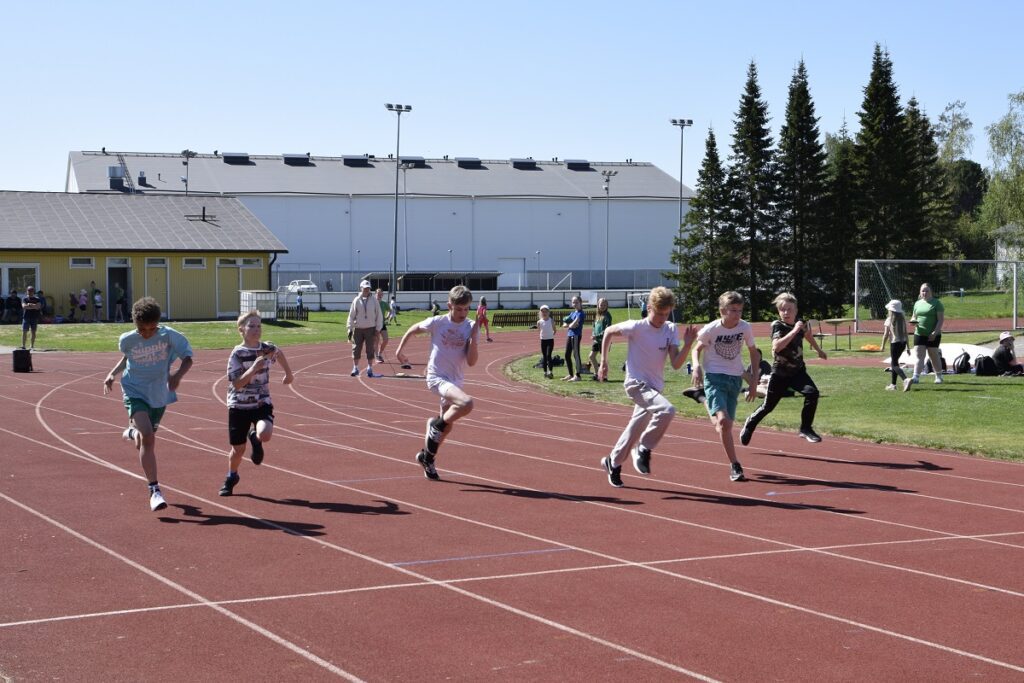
[801, 197]
[752, 189]
[837, 249]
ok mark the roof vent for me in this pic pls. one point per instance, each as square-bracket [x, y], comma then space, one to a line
[356, 160]
[577, 164]
[467, 162]
[524, 164]
[236, 158]
[417, 162]
[297, 159]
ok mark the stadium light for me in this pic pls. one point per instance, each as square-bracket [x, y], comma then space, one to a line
[682, 124]
[399, 109]
[608, 175]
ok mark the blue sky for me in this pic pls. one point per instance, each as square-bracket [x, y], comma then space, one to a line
[595, 80]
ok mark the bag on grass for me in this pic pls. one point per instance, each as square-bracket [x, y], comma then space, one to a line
[557, 361]
[928, 366]
[962, 364]
[985, 366]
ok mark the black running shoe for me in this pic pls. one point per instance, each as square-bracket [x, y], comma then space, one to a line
[433, 436]
[642, 459]
[427, 461]
[746, 432]
[736, 473]
[695, 393]
[229, 485]
[257, 447]
[810, 435]
[614, 473]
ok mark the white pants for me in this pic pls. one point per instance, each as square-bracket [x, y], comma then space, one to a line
[649, 422]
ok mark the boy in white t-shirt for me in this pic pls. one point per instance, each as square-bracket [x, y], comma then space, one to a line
[651, 341]
[723, 341]
[453, 346]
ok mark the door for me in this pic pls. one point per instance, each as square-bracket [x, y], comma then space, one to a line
[118, 281]
[157, 285]
[228, 283]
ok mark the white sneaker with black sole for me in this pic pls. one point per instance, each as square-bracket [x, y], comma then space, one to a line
[156, 500]
[641, 459]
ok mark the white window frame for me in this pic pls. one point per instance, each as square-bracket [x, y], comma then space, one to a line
[255, 262]
[119, 262]
[228, 262]
[199, 263]
[91, 265]
[156, 261]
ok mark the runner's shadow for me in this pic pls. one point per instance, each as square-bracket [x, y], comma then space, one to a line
[783, 480]
[919, 465]
[195, 515]
[543, 495]
[736, 501]
[386, 507]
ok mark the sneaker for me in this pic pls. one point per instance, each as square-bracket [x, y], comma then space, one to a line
[614, 473]
[355, 372]
[915, 379]
[156, 500]
[257, 447]
[810, 435]
[433, 435]
[129, 434]
[406, 366]
[575, 378]
[890, 387]
[938, 379]
[746, 432]
[427, 461]
[642, 459]
[695, 393]
[380, 358]
[736, 473]
[907, 384]
[369, 372]
[229, 484]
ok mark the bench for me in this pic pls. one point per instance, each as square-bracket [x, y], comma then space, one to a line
[528, 318]
[292, 313]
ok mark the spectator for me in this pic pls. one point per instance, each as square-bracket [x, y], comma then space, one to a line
[31, 310]
[1005, 358]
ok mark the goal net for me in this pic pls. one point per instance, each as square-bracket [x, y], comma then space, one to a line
[976, 295]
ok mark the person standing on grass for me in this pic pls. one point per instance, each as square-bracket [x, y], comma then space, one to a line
[364, 323]
[481, 318]
[574, 324]
[250, 411]
[83, 304]
[454, 344]
[929, 314]
[31, 309]
[789, 371]
[602, 319]
[721, 342]
[149, 385]
[651, 340]
[895, 330]
[546, 327]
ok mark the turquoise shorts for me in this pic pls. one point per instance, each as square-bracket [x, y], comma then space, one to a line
[137, 405]
[722, 393]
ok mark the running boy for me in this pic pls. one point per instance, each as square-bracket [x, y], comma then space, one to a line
[453, 345]
[651, 341]
[148, 383]
[722, 342]
[250, 411]
[789, 370]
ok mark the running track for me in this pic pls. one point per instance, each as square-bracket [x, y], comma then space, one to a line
[839, 561]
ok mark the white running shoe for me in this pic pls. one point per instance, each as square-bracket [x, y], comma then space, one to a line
[129, 434]
[938, 379]
[156, 500]
[907, 383]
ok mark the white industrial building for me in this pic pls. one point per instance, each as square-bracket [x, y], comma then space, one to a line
[536, 224]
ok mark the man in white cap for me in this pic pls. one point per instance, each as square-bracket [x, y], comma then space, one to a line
[364, 322]
[1005, 358]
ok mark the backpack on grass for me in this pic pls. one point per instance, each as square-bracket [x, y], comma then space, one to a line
[928, 366]
[962, 364]
[985, 366]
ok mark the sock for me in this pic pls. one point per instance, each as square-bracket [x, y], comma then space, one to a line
[154, 486]
[442, 425]
[232, 473]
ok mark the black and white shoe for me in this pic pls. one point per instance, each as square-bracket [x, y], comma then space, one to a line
[810, 435]
[614, 473]
[695, 393]
[257, 447]
[156, 500]
[746, 432]
[432, 439]
[229, 485]
[642, 459]
[426, 460]
[736, 473]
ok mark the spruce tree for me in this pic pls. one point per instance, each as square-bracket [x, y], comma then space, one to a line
[801, 165]
[838, 246]
[752, 190]
[931, 230]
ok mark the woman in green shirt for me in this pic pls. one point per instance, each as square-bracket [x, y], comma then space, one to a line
[929, 315]
[602, 320]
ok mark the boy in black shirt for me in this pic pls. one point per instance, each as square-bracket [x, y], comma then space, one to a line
[789, 370]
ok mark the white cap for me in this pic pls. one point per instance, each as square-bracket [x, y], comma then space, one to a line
[365, 284]
[545, 308]
[895, 306]
[1005, 335]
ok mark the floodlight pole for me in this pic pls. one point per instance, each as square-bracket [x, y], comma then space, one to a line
[608, 175]
[399, 109]
[682, 124]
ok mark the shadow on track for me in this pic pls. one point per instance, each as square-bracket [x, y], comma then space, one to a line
[543, 495]
[292, 528]
[386, 507]
[923, 465]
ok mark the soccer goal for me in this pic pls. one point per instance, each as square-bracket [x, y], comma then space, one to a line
[976, 295]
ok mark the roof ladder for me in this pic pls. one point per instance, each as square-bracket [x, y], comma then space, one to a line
[127, 176]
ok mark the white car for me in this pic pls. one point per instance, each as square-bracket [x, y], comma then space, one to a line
[301, 286]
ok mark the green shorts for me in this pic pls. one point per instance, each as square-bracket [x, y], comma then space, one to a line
[137, 405]
[722, 393]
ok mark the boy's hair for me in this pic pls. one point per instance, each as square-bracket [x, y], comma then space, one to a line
[242, 319]
[729, 298]
[460, 295]
[661, 297]
[784, 298]
[146, 310]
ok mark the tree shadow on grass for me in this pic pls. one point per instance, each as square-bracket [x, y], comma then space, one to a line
[386, 507]
[923, 465]
[195, 515]
[782, 480]
[738, 501]
[544, 495]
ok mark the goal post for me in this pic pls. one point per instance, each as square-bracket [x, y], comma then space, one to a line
[977, 295]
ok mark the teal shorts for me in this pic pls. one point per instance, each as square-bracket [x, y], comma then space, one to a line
[137, 405]
[722, 392]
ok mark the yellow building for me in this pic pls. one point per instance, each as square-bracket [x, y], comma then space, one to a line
[192, 254]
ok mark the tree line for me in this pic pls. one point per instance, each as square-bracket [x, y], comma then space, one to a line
[794, 216]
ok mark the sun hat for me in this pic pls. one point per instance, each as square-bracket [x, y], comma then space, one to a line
[365, 284]
[895, 306]
[1005, 335]
[545, 308]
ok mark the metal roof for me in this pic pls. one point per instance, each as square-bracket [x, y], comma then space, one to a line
[330, 175]
[56, 221]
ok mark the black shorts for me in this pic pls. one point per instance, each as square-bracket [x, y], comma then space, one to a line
[923, 340]
[596, 346]
[241, 420]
